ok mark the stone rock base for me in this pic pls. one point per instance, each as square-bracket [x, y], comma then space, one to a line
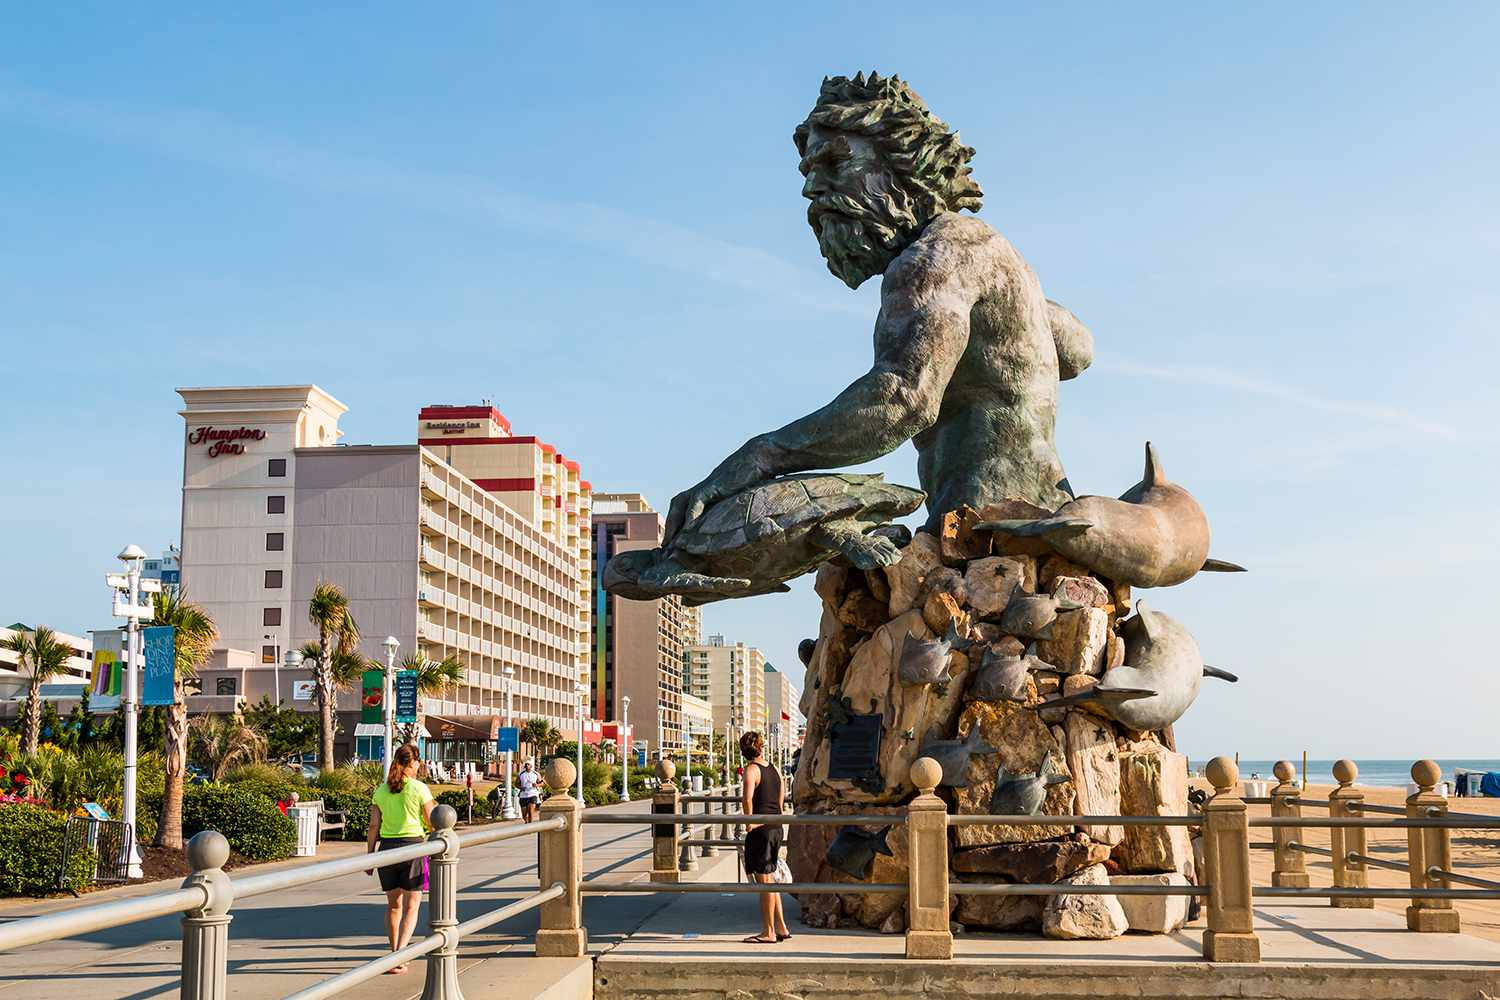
[959, 584]
[1153, 914]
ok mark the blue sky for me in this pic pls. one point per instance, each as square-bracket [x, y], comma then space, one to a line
[1280, 224]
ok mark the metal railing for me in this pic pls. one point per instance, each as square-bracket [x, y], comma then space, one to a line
[1223, 823]
[206, 897]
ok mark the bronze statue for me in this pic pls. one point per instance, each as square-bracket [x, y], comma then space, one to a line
[968, 350]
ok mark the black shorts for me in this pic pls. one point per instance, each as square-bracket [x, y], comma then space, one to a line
[529, 800]
[762, 850]
[408, 875]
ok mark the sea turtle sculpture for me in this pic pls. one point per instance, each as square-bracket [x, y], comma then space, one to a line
[753, 541]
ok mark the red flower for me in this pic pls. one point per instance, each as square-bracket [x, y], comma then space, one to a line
[21, 780]
[3, 772]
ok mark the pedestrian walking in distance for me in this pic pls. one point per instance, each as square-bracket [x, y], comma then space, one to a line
[762, 796]
[399, 813]
[529, 783]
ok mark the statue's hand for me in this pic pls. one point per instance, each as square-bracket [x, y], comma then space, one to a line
[733, 474]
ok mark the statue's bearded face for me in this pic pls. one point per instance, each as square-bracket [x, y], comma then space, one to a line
[860, 212]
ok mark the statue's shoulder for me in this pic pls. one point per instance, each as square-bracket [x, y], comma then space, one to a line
[950, 243]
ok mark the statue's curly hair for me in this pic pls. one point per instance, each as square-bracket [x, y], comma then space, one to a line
[922, 153]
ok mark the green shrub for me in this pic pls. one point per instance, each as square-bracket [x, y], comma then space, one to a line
[31, 843]
[599, 795]
[250, 822]
[458, 798]
[356, 807]
[273, 783]
[340, 779]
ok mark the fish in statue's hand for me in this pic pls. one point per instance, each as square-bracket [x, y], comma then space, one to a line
[805, 650]
[853, 850]
[753, 541]
[1159, 679]
[1154, 535]
[953, 756]
[1002, 677]
[925, 661]
[1033, 615]
[1023, 794]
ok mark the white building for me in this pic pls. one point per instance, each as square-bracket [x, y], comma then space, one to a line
[13, 681]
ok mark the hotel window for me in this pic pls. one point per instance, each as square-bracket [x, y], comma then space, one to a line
[273, 579]
[268, 654]
[276, 505]
[270, 616]
[275, 541]
[276, 468]
[224, 685]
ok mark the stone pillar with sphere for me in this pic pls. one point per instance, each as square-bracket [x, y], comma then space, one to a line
[560, 862]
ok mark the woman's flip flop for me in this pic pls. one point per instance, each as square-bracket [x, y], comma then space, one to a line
[759, 939]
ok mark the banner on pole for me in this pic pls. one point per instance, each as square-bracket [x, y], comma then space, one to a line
[108, 654]
[371, 702]
[158, 685]
[508, 740]
[406, 696]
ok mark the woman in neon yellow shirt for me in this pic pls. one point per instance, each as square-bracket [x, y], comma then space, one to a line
[401, 809]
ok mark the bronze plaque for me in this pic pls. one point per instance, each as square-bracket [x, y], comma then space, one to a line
[854, 751]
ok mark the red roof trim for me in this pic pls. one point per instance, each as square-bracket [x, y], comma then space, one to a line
[585, 486]
[506, 485]
[572, 465]
[546, 447]
[443, 412]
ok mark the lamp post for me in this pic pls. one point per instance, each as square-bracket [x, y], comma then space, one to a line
[581, 692]
[293, 660]
[629, 748]
[509, 811]
[128, 588]
[388, 699]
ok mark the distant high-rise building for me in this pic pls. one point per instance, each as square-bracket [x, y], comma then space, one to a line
[731, 678]
[637, 645]
[167, 568]
[784, 722]
[272, 506]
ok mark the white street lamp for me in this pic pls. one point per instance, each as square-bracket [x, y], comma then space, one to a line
[293, 661]
[128, 588]
[581, 692]
[509, 810]
[388, 699]
[629, 748]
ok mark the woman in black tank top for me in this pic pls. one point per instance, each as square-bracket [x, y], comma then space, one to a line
[762, 796]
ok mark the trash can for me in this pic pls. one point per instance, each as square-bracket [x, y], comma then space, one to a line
[306, 818]
[697, 784]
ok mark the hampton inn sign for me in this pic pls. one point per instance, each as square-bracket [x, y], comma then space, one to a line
[225, 440]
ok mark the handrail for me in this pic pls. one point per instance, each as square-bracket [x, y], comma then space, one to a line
[1344, 822]
[742, 819]
[1071, 889]
[369, 970]
[554, 891]
[1434, 872]
[977, 819]
[99, 916]
[256, 885]
[477, 838]
[1365, 859]
[597, 887]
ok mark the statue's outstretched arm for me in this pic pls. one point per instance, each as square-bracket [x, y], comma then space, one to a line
[920, 335]
[1075, 344]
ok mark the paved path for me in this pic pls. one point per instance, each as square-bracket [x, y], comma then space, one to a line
[283, 942]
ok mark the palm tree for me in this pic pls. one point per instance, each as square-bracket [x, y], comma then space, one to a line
[338, 637]
[43, 657]
[194, 639]
[434, 679]
[219, 743]
[541, 734]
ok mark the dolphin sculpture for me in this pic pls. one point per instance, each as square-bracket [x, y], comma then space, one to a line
[925, 661]
[1154, 535]
[1033, 615]
[1157, 682]
[953, 756]
[853, 850]
[1002, 677]
[1023, 794]
[805, 650]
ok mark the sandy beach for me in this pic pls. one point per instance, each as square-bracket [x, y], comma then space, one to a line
[1475, 852]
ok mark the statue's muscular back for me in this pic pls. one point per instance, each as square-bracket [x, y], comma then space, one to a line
[993, 435]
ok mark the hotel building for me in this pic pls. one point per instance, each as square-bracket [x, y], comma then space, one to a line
[638, 645]
[784, 722]
[731, 678]
[14, 681]
[273, 505]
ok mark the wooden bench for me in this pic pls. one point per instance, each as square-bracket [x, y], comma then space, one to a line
[328, 819]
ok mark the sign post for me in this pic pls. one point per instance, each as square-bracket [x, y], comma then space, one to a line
[406, 696]
[159, 687]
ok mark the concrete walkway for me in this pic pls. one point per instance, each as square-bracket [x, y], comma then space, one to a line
[287, 941]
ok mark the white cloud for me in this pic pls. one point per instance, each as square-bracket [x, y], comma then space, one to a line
[212, 139]
[1218, 378]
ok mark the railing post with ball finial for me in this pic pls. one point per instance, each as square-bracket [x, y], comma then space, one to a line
[205, 931]
[665, 800]
[442, 909]
[1230, 936]
[1345, 801]
[560, 862]
[927, 932]
[1429, 848]
[1291, 867]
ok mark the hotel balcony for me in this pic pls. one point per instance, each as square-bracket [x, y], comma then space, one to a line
[430, 595]
[431, 523]
[431, 556]
[429, 630]
[432, 486]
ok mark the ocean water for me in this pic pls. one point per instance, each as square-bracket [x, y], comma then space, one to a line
[1389, 773]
